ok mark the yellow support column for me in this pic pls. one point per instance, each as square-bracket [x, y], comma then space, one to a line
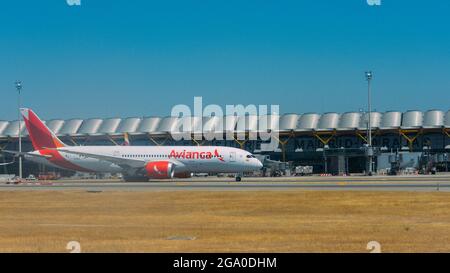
[112, 140]
[361, 136]
[73, 141]
[410, 140]
[241, 142]
[3, 146]
[446, 131]
[325, 141]
[155, 142]
[283, 145]
[197, 143]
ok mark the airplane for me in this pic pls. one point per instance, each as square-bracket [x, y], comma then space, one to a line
[136, 163]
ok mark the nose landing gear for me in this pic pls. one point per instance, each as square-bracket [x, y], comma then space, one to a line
[239, 177]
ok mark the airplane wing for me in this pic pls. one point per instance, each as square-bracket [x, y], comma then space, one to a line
[120, 161]
[17, 153]
[126, 163]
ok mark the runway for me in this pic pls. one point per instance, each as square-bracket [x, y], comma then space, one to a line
[405, 183]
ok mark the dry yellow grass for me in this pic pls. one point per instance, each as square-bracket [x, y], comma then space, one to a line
[291, 221]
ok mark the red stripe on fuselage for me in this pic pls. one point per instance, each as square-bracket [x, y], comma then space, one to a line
[57, 159]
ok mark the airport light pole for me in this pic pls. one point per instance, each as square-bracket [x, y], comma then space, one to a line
[19, 88]
[369, 76]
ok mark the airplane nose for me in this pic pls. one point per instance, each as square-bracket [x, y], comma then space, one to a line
[259, 164]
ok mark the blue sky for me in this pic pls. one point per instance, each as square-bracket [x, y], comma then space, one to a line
[139, 58]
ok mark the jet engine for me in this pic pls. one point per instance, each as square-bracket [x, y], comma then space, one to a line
[160, 169]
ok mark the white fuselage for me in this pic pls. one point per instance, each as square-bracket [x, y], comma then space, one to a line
[193, 159]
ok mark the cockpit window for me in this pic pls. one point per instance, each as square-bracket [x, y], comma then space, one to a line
[251, 156]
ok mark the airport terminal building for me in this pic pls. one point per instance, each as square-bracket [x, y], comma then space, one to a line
[333, 143]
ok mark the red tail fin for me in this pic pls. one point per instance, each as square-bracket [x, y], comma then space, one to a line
[40, 135]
